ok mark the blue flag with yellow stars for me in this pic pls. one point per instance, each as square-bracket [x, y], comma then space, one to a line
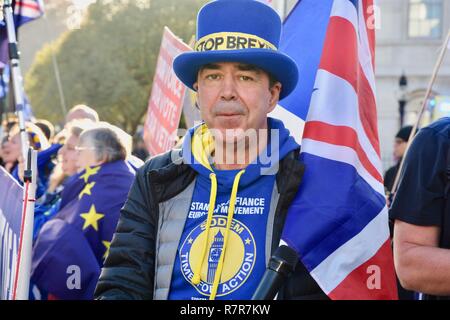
[70, 249]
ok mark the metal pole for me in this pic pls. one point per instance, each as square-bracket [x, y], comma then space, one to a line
[401, 111]
[16, 75]
[422, 110]
[23, 266]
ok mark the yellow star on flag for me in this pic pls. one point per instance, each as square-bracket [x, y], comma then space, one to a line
[248, 241]
[91, 218]
[86, 190]
[89, 172]
[107, 244]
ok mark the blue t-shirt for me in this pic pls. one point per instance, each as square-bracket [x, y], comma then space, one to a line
[249, 238]
[420, 197]
[245, 256]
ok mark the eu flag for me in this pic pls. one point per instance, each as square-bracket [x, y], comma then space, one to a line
[69, 251]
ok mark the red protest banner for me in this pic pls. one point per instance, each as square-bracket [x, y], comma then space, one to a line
[166, 99]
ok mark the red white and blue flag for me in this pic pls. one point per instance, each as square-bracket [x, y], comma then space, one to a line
[24, 11]
[338, 221]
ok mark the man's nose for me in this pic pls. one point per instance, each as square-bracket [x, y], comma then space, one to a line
[229, 89]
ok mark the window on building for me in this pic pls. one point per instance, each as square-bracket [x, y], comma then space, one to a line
[425, 18]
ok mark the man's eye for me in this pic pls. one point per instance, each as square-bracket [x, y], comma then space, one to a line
[245, 78]
[212, 77]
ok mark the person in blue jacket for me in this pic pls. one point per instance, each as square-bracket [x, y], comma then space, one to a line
[202, 222]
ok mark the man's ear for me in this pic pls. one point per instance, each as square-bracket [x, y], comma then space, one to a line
[275, 91]
[195, 86]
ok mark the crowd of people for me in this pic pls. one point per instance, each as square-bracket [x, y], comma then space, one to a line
[84, 174]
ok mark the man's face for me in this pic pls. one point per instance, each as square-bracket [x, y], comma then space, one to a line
[12, 149]
[69, 155]
[235, 96]
[399, 148]
[86, 155]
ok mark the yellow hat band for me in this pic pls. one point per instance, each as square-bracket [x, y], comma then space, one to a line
[232, 41]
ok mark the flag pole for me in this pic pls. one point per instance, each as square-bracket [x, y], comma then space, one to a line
[23, 266]
[16, 76]
[422, 110]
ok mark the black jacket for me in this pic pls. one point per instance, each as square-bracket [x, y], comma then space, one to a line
[129, 269]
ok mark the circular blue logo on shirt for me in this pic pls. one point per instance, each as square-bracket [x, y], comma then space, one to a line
[240, 255]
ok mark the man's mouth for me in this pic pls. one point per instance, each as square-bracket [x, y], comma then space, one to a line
[229, 119]
[229, 114]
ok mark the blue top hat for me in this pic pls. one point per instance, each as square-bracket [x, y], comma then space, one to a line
[246, 31]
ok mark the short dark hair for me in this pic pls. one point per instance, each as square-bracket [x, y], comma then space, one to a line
[47, 128]
[404, 133]
[272, 80]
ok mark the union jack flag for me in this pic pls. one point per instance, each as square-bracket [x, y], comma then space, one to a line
[338, 221]
[27, 10]
[24, 11]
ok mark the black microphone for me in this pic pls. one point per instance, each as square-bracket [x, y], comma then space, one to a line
[281, 265]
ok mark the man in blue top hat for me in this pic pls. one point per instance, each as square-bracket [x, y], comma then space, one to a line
[202, 222]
